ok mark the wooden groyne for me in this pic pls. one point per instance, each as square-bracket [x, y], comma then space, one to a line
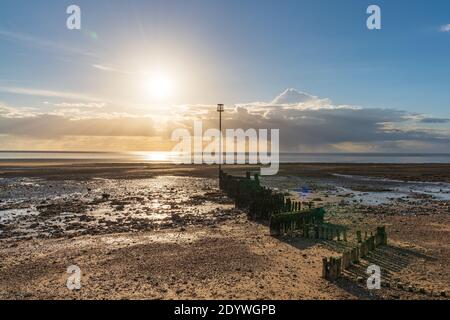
[333, 266]
[292, 218]
[247, 193]
[264, 203]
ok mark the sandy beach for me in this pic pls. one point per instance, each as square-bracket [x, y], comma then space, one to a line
[160, 231]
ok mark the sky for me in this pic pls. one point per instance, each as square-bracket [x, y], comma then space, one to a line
[137, 70]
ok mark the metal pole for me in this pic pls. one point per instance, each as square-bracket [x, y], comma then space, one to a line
[220, 109]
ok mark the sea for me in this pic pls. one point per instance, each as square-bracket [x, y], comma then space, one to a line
[167, 157]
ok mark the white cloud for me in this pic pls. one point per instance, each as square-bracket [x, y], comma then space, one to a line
[305, 126]
[43, 43]
[76, 96]
[80, 105]
[48, 93]
[107, 68]
[10, 112]
[103, 68]
[445, 28]
[293, 96]
[294, 99]
[309, 123]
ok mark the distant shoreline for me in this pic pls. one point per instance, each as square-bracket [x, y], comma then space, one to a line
[86, 170]
[293, 153]
[21, 157]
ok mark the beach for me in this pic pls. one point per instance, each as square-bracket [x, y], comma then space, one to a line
[163, 231]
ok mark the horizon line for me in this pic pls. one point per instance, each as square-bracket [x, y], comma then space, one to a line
[282, 152]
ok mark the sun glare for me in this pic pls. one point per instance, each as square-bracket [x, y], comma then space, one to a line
[154, 156]
[159, 86]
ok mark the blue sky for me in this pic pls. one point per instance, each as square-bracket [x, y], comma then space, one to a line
[228, 51]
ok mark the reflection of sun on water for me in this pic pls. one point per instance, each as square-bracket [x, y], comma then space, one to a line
[155, 156]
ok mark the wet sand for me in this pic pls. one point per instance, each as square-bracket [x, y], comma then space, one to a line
[158, 231]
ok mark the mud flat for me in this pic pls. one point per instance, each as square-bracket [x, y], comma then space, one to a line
[141, 231]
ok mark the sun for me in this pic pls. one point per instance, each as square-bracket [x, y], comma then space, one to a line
[159, 86]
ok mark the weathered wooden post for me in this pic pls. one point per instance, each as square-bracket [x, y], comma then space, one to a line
[346, 259]
[358, 253]
[358, 236]
[382, 235]
[372, 243]
[334, 268]
[325, 268]
[338, 262]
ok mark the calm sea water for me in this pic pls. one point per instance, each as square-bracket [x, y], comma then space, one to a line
[284, 157]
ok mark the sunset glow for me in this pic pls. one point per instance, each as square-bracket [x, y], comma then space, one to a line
[159, 86]
[113, 86]
[222, 156]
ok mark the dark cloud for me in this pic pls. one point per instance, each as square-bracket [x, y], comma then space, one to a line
[314, 125]
[434, 120]
[51, 126]
[325, 128]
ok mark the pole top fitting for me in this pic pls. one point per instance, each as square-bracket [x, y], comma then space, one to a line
[220, 108]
